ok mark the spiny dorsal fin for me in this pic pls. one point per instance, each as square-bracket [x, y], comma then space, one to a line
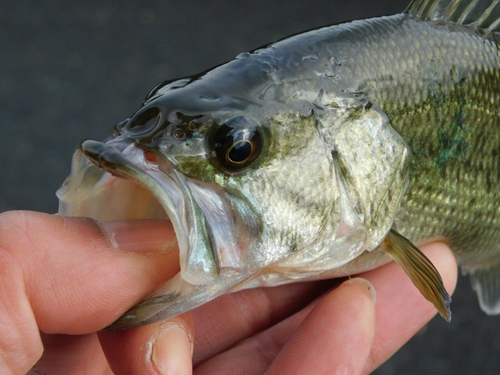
[482, 14]
[420, 270]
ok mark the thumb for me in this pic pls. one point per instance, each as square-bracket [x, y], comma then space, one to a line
[68, 275]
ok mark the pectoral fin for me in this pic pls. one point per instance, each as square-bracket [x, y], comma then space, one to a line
[420, 270]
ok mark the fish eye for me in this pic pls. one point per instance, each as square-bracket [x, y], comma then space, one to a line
[237, 144]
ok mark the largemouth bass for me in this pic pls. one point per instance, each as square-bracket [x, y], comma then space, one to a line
[322, 155]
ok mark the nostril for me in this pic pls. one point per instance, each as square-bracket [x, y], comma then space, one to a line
[147, 119]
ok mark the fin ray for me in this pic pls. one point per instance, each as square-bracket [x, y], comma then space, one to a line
[420, 270]
[481, 14]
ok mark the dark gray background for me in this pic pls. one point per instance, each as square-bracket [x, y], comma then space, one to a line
[70, 70]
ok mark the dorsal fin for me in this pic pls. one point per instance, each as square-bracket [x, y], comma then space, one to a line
[482, 14]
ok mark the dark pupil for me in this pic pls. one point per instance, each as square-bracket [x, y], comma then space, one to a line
[240, 152]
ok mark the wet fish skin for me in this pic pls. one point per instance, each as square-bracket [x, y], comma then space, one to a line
[448, 114]
[362, 129]
[454, 189]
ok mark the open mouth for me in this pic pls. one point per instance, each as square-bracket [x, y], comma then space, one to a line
[117, 180]
[114, 181]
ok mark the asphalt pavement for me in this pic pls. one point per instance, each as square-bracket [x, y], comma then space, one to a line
[70, 70]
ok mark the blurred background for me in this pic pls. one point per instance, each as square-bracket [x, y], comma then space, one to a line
[70, 70]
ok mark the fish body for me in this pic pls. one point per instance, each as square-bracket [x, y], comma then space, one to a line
[322, 155]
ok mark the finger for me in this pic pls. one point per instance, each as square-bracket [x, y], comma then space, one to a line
[71, 269]
[336, 336]
[257, 352]
[306, 342]
[222, 323]
[401, 310]
[63, 275]
[164, 347]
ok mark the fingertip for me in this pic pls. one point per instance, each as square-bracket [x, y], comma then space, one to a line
[172, 350]
[364, 285]
[163, 347]
[141, 236]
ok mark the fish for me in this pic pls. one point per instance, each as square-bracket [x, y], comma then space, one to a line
[322, 155]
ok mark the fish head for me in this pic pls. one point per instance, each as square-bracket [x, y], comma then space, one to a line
[222, 173]
[260, 190]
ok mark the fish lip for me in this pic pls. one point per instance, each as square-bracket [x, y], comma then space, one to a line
[123, 159]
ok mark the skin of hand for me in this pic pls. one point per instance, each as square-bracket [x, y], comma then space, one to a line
[65, 279]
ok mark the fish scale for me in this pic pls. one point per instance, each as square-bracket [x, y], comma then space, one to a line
[464, 142]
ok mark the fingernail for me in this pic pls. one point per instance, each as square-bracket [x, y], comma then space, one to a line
[172, 351]
[365, 285]
[140, 235]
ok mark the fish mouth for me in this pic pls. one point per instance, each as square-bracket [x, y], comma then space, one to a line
[117, 180]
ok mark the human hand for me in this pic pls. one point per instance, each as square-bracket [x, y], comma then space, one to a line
[63, 277]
